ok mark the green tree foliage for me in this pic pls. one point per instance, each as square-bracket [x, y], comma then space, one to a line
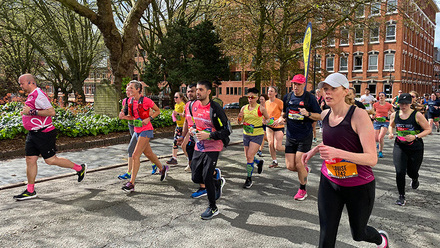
[66, 42]
[186, 55]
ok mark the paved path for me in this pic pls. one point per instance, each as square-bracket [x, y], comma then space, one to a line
[96, 213]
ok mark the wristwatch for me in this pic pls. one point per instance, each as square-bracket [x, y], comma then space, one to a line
[151, 118]
[416, 136]
[310, 114]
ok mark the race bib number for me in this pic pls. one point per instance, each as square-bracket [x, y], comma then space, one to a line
[137, 123]
[367, 105]
[340, 168]
[436, 119]
[294, 115]
[248, 128]
[381, 119]
[131, 122]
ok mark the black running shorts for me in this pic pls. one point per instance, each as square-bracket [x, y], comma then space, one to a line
[41, 143]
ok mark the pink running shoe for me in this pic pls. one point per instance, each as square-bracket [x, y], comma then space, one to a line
[301, 195]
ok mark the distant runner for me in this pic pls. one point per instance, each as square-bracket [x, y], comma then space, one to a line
[411, 126]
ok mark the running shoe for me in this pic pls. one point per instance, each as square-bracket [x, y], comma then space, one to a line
[274, 164]
[260, 166]
[129, 187]
[163, 173]
[315, 140]
[380, 155]
[401, 201]
[82, 173]
[218, 174]
[384, 236]
[219, 191]
[172, 161]
[209, 213]
[188, 168]
[248, 183]
[155, 169]
[415, 183]
[260, 153]
[124, 176]
[199, 193]
[26, 195]
[301, 195]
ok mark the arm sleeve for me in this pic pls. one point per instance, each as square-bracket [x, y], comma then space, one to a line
[221, 124]
[148, 103]
[42, 102]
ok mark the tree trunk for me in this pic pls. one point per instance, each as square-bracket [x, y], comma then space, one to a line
[121, 44]
[259, 49]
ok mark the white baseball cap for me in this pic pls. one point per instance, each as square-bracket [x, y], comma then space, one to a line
[335, 80]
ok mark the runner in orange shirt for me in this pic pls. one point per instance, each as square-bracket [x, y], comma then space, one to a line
[274, 132]
[382, 111]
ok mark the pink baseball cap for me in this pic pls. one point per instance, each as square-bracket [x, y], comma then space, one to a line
[298, 78]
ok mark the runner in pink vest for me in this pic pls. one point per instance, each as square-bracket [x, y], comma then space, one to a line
[37, 119]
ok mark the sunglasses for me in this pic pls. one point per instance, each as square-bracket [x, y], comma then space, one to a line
[413, 96]
[176, 97]
[252, 97]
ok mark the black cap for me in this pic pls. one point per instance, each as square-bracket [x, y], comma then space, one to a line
[405, 98]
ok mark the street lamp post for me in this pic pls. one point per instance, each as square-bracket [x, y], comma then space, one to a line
[390, 81]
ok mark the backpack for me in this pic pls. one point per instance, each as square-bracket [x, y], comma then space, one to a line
[143, 113]
[223, 129]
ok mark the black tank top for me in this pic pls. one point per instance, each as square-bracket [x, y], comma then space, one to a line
[408, 126]
[341, 136]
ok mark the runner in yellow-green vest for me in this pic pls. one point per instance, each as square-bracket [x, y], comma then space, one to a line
[251, 116]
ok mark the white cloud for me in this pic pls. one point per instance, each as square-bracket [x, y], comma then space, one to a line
[437, 29]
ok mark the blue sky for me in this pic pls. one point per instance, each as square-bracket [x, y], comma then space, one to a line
[437, 28]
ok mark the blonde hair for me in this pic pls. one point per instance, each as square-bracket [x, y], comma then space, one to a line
[182, 96]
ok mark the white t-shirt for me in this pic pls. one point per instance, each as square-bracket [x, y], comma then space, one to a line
[367, 101]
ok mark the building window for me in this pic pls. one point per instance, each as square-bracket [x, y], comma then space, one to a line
[239, 91]
[318, 63]
[391, 32]
[372, 62]
[374, 34]
[391, 6]
[331, 40]
[372, 87]
[357, 62]
[344, 37]
[359, 35]
[375, 8]
[235, 91]
[343, 65]
[220, 90]
[329, 64]
[360, 11]
[389, 61]
[227, 90]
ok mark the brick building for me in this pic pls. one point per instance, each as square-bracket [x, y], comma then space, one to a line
[396, 53]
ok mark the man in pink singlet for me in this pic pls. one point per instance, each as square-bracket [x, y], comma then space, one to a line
[37, 119]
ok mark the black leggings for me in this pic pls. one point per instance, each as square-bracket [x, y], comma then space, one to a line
[202, 167]
[406, 159]
[359, 201]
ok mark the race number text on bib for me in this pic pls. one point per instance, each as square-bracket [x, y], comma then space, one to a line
[340, 168]
[294, 115]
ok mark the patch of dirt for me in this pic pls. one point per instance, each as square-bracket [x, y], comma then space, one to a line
[18, 143]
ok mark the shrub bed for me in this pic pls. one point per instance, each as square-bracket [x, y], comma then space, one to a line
[71, 121]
